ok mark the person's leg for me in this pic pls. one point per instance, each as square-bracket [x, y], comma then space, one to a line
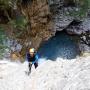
[36, 65]
[30, 65]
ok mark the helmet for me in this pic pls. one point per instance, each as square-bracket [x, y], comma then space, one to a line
[31, 50]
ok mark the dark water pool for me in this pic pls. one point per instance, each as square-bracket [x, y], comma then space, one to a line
[61, 45]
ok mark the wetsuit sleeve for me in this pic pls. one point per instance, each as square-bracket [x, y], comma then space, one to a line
[36, 58]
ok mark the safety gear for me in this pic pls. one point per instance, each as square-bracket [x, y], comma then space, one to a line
[31, 50]
[32, 60]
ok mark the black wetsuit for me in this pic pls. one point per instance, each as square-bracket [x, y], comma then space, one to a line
[32, 60]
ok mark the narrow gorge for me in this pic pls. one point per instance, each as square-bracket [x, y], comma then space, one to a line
[30, 23]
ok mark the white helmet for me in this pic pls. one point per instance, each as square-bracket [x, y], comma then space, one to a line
[31, 50]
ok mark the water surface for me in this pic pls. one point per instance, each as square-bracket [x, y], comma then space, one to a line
[60, 45]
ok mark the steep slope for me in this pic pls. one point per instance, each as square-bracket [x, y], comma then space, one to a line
[50, 75]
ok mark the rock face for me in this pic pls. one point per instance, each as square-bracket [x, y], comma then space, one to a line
[47, 17]
[63, 20]
[38, 15]
[62, 75]
[57, 75]
[39, 26]
[71, 24]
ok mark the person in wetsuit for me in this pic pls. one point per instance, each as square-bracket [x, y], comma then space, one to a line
[32, 58]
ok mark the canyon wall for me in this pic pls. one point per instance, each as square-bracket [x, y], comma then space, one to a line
[44, 19]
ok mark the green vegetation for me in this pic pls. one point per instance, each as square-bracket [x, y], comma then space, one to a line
[2, 38]
[8, 3]
[11, 10]
[5, 3]
[15, 18]
[81, 10]
[19, 26]
[19, 23]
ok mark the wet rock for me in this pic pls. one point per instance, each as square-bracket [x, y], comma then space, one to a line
[80, 28]
[84, 48]
[73, 25]
[61, 22]
[45, 18]
[40, 22]
[14, 45]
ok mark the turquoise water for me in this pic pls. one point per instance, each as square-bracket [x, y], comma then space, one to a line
[61, 45]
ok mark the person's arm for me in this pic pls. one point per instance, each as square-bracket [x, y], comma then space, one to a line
[36, 58]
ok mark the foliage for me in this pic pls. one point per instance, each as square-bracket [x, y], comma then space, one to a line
[5, 3]
[1, 35]
[19, 23]
[8, 3]
[2, 38]
[81, 10]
